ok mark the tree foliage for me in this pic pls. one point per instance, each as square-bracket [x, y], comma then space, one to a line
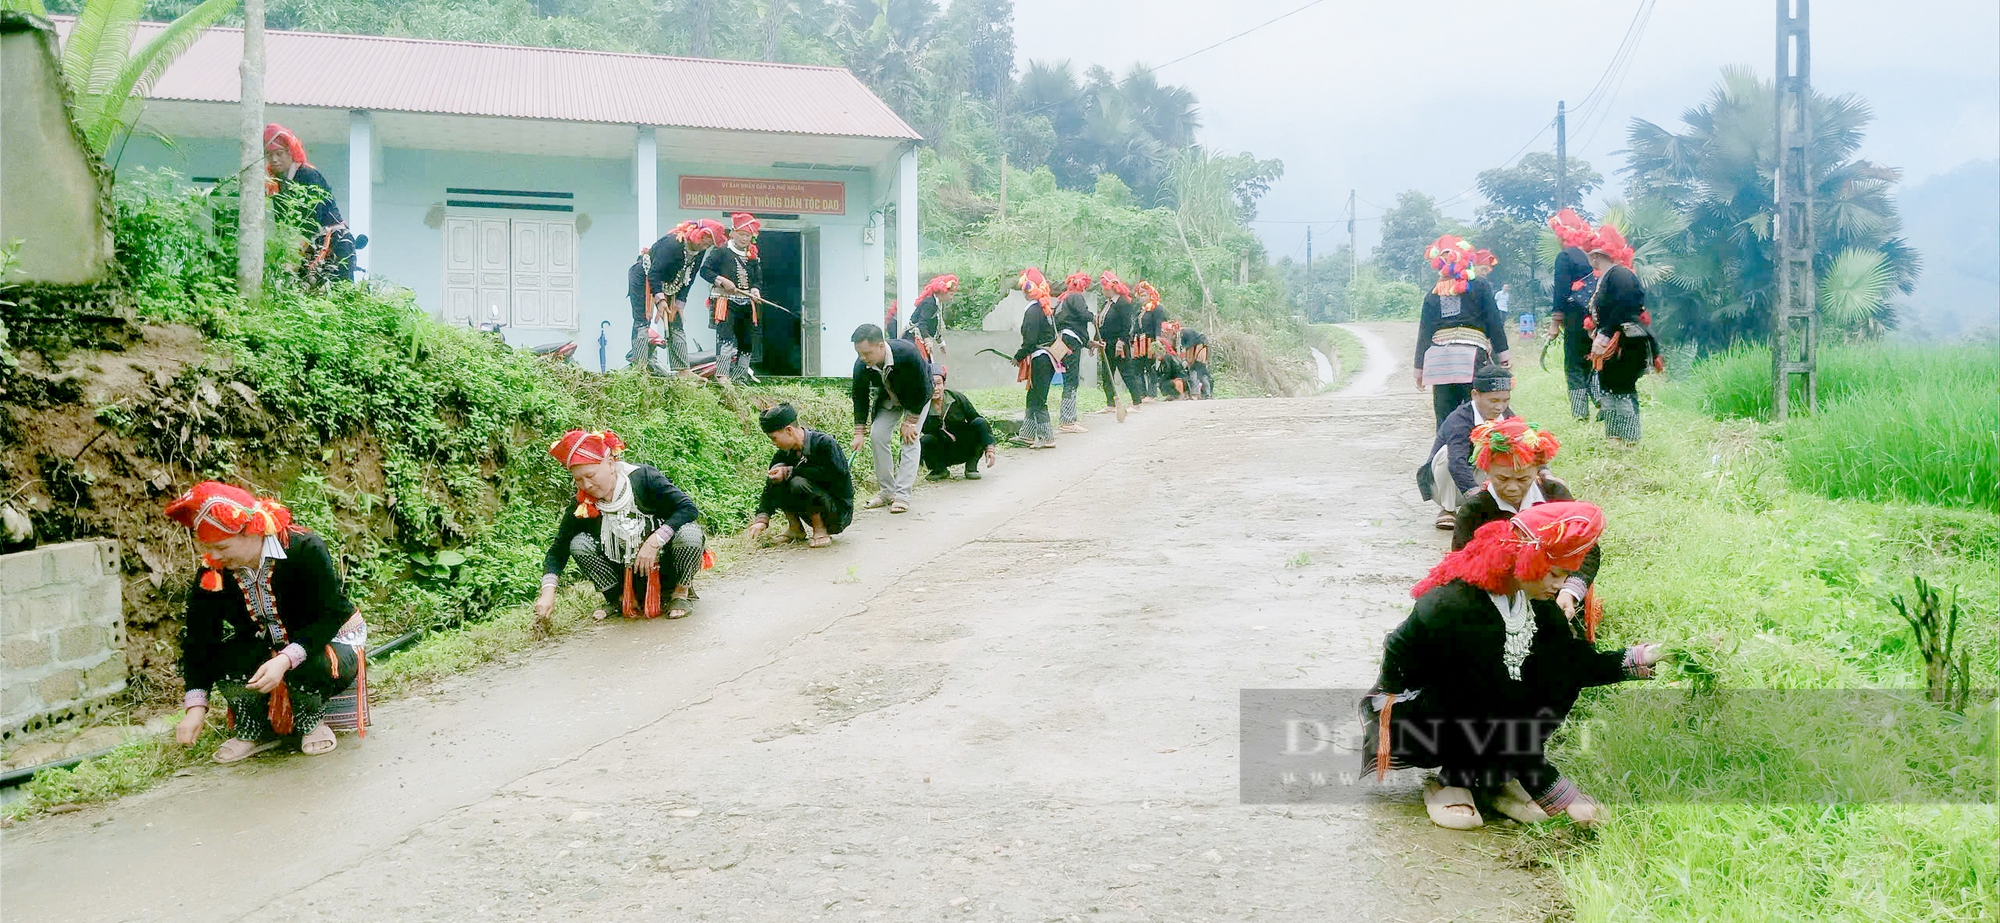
[107, 78]
[1406, 230]
[1717, 172]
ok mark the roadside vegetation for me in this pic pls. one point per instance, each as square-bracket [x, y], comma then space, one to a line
[1774, 557]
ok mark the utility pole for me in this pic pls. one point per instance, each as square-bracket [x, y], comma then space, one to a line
[250, 171]
[1562, 154]
[1794, 318]
[1310, 315]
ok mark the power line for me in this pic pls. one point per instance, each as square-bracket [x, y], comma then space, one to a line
[1238, 35]
[1604, 111]
[1585, 106]
[1503, 165]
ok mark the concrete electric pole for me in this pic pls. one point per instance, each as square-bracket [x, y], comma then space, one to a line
[1795, 315]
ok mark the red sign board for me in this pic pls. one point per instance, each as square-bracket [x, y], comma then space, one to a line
[798, 197]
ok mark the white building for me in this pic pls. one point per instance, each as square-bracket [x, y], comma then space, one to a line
[519, 184]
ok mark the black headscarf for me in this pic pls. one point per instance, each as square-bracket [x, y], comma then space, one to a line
[1491, 378]
[777, 418]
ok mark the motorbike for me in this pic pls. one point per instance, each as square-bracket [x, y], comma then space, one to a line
[562, 352]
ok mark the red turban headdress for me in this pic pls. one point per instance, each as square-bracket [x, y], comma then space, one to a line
[1077, 282]
[1109, 280]
[1030, 277]
[214, 511]
[744, 221]
[1571, 230]
[1524, 548]
[1148, 295]
[1612, 244]
[577, 447]
[1512, 441]
[278, 137]
[945, 284]
[716, 232]
[1451, 256]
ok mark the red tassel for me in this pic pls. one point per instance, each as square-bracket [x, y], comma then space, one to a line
[1023, 369]
[1593, 613]
[653, 593]
[280, 711]
[707, 559]
[211, 581]
[1382, 737]
[630, 604]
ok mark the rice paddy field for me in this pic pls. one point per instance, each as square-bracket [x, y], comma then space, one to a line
[1768, 557]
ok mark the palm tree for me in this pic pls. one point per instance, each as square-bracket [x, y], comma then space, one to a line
[1717, 174]
[106, 77]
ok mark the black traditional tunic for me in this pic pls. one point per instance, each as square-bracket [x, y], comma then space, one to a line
[305, 201]
[1117, 326]
[820, 483]
[1073, 320]
[1617, 306]
[927, 320]
[1473, 310]
[735, 315]
[956, 436]
[660, 505]
[1479, 693]
[1571, 291]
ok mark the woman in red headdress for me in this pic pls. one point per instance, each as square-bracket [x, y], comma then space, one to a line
[624, 518]
[1073, 320]
[303, 199]
[1513, 456]
[1459, 329]
[736, 274]
[1623, 347]
[268, 625]
[1573, 285]
[1040, 357]
[927, 317]
[1117, 332]
[1487, 667]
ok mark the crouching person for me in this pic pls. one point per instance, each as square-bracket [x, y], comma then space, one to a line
[808, 481]
[1448, 476]
[268, 628]
[628, 523]
[955, 434]
[1486, 668]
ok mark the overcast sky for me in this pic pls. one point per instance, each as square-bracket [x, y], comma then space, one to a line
[1381, 96]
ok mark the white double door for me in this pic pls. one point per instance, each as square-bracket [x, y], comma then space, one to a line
[520, 272]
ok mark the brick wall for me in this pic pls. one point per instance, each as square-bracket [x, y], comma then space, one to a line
[62, 632]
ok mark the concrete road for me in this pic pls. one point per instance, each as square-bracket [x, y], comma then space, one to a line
[1018, 702]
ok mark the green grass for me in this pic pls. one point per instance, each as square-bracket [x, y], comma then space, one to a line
[1895, 423]
[1756, 581]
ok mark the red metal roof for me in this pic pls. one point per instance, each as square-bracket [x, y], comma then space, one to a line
[506, 81]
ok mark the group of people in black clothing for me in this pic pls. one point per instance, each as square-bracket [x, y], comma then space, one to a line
[1502, 639]
[661, 278]
[1155, 358]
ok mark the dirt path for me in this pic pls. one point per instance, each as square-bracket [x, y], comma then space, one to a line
[1018, 703]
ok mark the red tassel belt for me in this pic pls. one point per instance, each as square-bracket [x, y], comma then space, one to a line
[632, 607]
[1382, 754]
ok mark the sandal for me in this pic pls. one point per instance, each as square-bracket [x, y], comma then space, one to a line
[319, 740]
[1447, 520]
[236, 749]
[820, 541]
[1439, 800]
[677, 608]
[898, 506]
[1513, 801]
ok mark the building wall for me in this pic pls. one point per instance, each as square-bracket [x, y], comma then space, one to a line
[50, 197]
[406, 249]
[62, 632]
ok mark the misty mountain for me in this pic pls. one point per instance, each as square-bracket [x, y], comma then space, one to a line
[1953, 219]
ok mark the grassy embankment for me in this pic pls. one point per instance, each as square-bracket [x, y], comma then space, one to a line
[1766, 556]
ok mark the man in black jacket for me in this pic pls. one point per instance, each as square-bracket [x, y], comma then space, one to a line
[891, 390]
[955, 434]
[808, 481]
[1447, 476]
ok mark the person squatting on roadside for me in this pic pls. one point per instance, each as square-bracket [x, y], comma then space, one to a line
[1459, 330]
[1448, 475]
[891, 395]
[1073, 322]
[1486, 668]
[625, 517]
[1038, 359]
[808, 481]
[1513, 459]
[736, 274]
[955, 434]
[268, 626]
